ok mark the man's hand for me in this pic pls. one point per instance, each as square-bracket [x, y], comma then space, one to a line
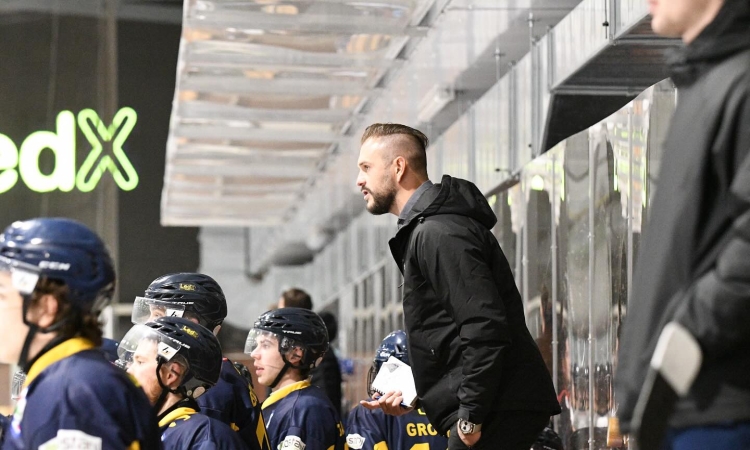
[390, 403]
[469, 439]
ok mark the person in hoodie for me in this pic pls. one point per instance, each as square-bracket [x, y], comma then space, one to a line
[693, 268]
[479, 375]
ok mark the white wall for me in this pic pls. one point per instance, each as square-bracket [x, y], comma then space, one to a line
[223, 257]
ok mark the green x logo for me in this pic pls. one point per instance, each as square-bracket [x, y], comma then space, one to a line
[96, 163]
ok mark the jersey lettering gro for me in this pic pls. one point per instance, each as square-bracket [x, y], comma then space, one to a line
[375, 430]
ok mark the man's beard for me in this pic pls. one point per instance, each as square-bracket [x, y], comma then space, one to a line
[382, 201]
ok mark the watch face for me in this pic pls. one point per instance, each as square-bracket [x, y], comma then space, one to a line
[466, 427]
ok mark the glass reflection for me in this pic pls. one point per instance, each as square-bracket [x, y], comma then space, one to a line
[574, 221]
[542, 192]
[573, 246]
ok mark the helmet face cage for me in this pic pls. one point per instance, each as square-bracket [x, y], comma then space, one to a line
[21, 277]
[284, 345]
[395, 344]
[371, 373]
[297, 327]
[66, 251]
[139, 337]
[172, 336]
[18, 280]
[149, 309]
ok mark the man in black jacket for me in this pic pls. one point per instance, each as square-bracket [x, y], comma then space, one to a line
[694, 263]
[477, 370]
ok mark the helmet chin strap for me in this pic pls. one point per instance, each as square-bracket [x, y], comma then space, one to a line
[23, 360]
[165, 390]
[283, 370]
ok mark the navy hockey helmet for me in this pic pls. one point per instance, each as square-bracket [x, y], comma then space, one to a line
[66, 251]
[547, 440]
[294, 327]
[178, 293]
[177, 336]
[396, 345]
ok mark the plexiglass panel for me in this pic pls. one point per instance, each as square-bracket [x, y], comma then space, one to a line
[522, 110]
[455, 149]
[574, 257]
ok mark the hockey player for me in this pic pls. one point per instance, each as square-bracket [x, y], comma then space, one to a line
[548, 440]
[199, 297]
[375, 430]
[55, 277]
[286, 344]
[175, 361]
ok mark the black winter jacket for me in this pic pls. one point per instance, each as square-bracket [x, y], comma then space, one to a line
[469, 347]
[694, 262]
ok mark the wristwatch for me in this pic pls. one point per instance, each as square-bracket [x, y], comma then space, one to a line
[467, 427]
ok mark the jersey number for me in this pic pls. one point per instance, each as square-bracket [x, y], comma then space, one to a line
[422, 446]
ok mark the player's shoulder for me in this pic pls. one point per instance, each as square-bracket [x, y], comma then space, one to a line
[231, 374]
[192, 425]
[87, 369]
[314, 397]
[90, 379]
[308, 404]
[218, 433]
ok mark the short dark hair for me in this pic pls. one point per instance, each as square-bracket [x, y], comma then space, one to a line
[297, 298]
[416, 156]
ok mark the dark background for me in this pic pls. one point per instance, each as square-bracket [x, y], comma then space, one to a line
[52, 63]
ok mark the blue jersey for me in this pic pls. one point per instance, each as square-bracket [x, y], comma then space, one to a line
[109, 349]
[299, 416]
[74, 398]
[233, 402]
[375, 430]
[184, 429]
[4, 422]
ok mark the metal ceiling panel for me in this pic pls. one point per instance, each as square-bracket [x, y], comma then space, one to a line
[470, 45]
[266, 91]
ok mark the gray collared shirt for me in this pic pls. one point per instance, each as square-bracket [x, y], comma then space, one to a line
[412, 201]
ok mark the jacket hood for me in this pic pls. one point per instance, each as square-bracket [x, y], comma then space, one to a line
[454, 196]
[726, 35]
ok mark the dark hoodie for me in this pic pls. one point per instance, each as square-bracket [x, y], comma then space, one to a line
[470, 350]
[694, 262]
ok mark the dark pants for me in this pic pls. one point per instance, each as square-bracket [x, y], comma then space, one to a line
[729, 436]
[507, 430]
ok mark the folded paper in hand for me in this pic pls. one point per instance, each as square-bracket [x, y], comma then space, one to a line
[395, 375]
